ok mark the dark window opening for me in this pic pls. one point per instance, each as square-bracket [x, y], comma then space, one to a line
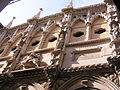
[52, 21]
[103, 12]
[35, 43]
[100, 31]
[13, 48]
[93, 13]
[74, 17]
[78, 34]
[84, 15]
[45, 24]
[1, 51]
[53, 39]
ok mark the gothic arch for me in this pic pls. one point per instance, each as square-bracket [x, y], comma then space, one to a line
[97, 17]
[78, 31]
[51, 28]
[52, 32]
[76, 20]
[99, 27]
[35, 40]
[104, 82]
[13, 40]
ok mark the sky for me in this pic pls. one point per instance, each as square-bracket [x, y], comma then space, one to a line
[26, 9]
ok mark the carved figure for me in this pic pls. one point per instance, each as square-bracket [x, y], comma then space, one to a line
[61, 37]
[9, 63]
[33, 60]
[115, 32]
[66, 18]
[111, 10]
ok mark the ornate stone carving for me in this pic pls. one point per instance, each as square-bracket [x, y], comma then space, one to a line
[113, 20]
[115, 32]
[61, 38]
[114, 78]
[33, 60]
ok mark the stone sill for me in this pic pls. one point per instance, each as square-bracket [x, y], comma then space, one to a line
[93, 41]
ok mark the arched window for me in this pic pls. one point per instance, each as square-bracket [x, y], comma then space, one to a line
[78, 31]
[99, 28]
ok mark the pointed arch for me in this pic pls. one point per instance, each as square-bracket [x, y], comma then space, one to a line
[76, 20]
[92, 80]
[29, 86]
[97, 17]
[34, 43]
[78, 31]
[51, 36]
[10, 46]
[99, 27]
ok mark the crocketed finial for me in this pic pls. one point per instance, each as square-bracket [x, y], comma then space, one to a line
[10, 23]
[37, 16]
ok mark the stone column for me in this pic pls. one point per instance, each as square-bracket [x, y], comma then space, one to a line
[88, 26]
[88, 31]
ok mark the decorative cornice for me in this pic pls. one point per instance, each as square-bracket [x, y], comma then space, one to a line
[92, 41]
[24, 76]
[86, 8]
[95, 68]
[114, 59]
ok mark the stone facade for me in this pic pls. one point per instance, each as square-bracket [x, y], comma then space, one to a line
[77, 49]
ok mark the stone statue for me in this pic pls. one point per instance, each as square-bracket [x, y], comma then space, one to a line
[61, 37]
[115, 32]
[9, 63]
[111, 10]
[66, 18]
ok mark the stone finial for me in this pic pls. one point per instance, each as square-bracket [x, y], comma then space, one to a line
[70, 5]
[10, 23]
[37, 16]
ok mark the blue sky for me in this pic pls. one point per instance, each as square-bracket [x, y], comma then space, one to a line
[25, 9]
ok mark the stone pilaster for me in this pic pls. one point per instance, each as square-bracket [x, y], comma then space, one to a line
[88, 31]
[88, 26]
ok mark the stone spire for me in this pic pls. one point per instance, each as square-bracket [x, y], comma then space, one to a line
[10, 23]
[37, 16]
[70, 5]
